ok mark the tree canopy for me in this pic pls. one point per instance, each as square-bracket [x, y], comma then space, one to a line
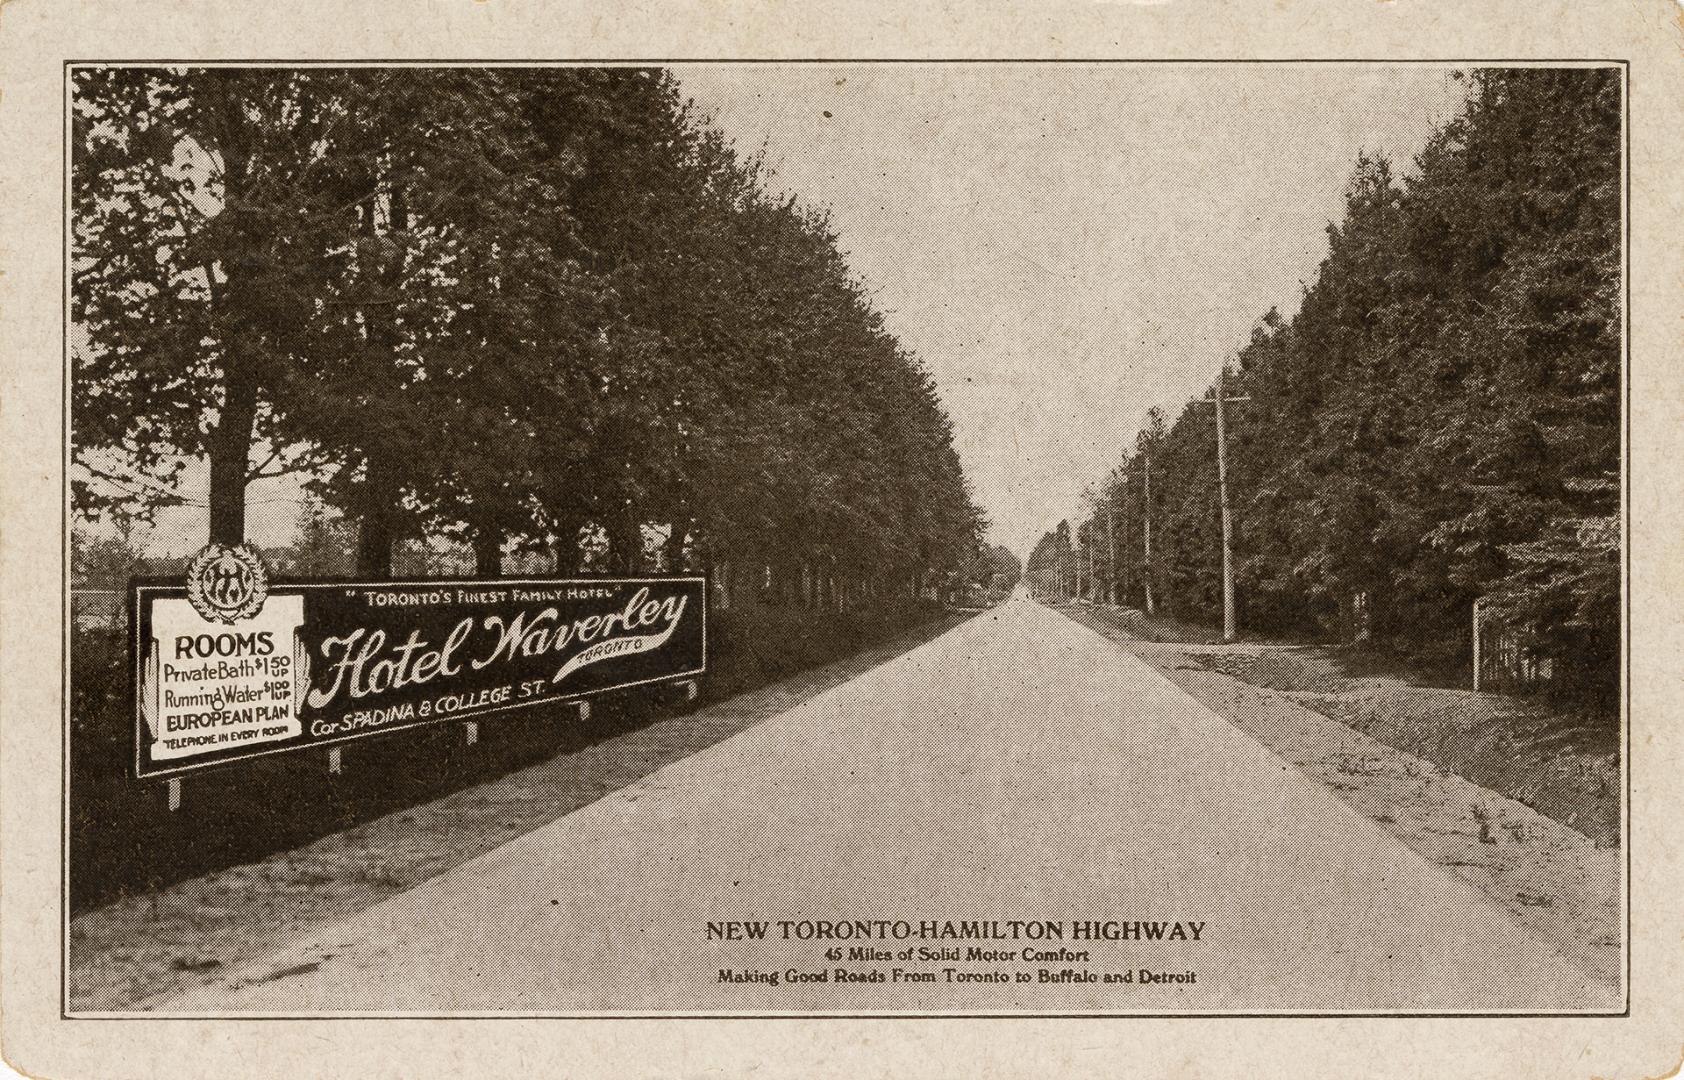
[521, 307]
[1440, 421]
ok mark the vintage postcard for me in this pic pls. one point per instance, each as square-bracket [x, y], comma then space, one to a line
[896, 549]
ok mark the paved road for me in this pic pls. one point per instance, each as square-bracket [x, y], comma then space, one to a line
[1019, 768]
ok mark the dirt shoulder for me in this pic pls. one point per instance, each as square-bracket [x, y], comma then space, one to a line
[1551, 877]
[146, 947]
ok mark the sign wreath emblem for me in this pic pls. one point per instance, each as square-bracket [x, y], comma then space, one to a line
[226, 584]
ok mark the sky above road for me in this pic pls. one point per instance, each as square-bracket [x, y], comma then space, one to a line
[1067, 245]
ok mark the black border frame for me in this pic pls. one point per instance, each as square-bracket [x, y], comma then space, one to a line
[1622, 63]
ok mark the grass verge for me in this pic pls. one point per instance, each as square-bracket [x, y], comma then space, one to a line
[1558, 873]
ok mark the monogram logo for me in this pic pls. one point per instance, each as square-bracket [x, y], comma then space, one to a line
[226, 584]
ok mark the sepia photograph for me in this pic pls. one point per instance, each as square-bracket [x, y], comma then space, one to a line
[845, 539]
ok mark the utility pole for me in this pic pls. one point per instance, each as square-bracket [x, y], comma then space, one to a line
[1229, 628]
[1093, 586]
[1146, 571]
[1123, 569]
[1076, 561]
[1111, 554]
[1077, 553]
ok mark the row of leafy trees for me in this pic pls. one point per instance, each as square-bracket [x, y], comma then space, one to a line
[994, 572]
[1440, 422]
[528, 309]
[1057, 568]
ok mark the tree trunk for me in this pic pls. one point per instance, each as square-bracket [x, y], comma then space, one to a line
[374, 544]
[230, 455]
[488, 551]
[675, 546]
[379, 509]
[625, 548]
[230, 444]
[377, 528]
[564, 548]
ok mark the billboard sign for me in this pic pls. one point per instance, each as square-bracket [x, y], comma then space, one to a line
[229, 666]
